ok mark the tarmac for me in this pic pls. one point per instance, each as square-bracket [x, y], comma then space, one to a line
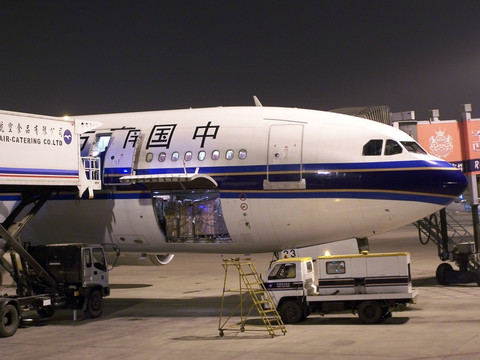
[172, 312]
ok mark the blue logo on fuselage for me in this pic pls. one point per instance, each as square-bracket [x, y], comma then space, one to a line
[67, 137]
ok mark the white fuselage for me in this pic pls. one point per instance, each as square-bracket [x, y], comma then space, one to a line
[283, 178]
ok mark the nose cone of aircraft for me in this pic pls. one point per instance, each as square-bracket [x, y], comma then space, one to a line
[455, 183]
[446, 181]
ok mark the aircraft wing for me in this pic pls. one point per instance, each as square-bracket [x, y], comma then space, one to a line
[172, 181]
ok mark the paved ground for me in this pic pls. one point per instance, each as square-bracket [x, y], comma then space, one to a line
[172, 312]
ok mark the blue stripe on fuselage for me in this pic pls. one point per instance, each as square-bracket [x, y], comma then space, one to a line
[39, 172]
[422, 181]
[399, 180]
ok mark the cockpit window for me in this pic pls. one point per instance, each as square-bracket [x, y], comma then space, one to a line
[392, 148]
[373, 147]
[413, 147]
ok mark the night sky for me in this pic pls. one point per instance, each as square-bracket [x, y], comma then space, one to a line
[84, 57]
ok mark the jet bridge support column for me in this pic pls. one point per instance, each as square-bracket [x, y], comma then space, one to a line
[454, 242]
[464, 253]
[443, 250]
[472, 180]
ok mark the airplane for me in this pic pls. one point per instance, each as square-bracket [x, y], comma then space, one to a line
[236, 180]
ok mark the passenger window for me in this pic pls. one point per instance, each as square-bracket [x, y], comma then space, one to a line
[392, 148]
[372, 148]
[242, 154]
[175, 156]
[229, 154]
[335, 267]
[201, 155]
[149, 157]
[162, 157]
[188, 156]
[215, 155]
[413, 147]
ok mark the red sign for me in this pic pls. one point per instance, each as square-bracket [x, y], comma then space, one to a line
[444, 140]
[472, 147]
[454, 141]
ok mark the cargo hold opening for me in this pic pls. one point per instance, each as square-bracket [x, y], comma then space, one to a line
[191, 216]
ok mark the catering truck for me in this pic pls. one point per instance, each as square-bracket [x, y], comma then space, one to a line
[371, 285]
[52, 277]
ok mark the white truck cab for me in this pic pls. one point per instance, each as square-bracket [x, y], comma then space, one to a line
[290, 276]
[370, 284]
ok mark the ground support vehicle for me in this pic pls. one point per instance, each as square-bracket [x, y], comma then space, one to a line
[42, 156]
[51, 277]
[371, 285]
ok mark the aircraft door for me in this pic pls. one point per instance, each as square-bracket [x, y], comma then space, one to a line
[284, 158]
[119, 156]
[86, 141]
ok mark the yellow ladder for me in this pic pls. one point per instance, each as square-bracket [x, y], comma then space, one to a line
[250, 286]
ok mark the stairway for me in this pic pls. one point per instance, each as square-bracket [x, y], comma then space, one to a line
[250, 286]
[454, 233]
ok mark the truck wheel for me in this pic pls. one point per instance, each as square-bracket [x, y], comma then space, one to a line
[370, 312]
[94, 305]
[291, 312]
[8, 320]
[441, 273]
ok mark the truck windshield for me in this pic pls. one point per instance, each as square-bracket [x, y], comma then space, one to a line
[282, 271]
[99, 259]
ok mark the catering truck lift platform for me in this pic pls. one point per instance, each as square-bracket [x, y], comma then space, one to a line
[41, 155]
[371, 285]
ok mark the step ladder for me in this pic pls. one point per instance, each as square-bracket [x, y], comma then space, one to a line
[250, 287]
